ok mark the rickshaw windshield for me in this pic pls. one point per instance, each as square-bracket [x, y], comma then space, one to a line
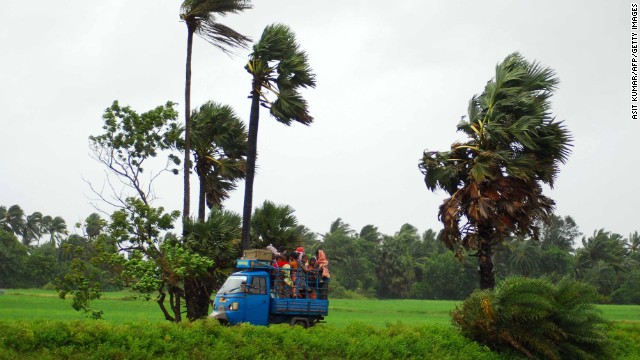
[233, 285]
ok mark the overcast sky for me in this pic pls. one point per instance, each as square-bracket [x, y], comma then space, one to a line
[394, 78]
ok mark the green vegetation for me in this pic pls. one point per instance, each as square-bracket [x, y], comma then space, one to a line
[123, 306]
[536, 318]
[37, 324]
[207, 339]
[495, 177]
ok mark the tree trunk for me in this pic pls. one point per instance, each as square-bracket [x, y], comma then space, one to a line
[174, 302]
[201, 196]
[252, 145]
[485, 260]
[198, 297]
[187, 115]
[160, 302]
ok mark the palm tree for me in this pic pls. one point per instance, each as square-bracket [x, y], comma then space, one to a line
[55, 227]
[277, 65]
[276, 225]
[524, 256]
[12, 219]
[200, 17]
[217, 238]
[32, 229]
[633, 243]
[602, 246]
[219, 146]
[494, 178]
[93, 225]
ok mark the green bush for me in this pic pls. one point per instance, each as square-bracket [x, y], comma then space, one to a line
[209, 340]
[536, 318]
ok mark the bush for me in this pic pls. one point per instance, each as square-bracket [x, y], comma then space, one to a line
[208, 340]
[536, 318]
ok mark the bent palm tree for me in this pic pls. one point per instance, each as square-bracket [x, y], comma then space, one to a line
[494, 178]
[32, 229]
[219, 146]
[278, 66]
[55, 227]
[12, 219]
[200, 17]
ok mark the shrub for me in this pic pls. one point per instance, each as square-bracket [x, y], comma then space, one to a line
[536, 318]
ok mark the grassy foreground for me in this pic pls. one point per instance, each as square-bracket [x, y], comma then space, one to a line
[36, 324]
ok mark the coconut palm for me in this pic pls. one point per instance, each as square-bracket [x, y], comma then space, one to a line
[32, 229]
[495, 178]
[93, 225]
[201, 19]
[12, 219]
[602, 246]
[279, 67]
[55, 227]
[219, 143]
[633, 243]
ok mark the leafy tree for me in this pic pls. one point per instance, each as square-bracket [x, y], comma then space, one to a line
[555, 263]
[13, 255]
[130, 140]
[200, 18]
[559, 232]
[628, 292]
[137, 229]
[32, 229]
[41, 267]
[81, 283]
[351, 257]
[396, 263]
[495, 178]
[445, 278]
[12, 219]
[277, 65]
[219, 142]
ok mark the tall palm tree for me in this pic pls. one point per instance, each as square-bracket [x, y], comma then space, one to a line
[12, 219]
[55, 227]
[495, 178]
[219, 147]
[277, 66]
[200, 17]
[32, 229]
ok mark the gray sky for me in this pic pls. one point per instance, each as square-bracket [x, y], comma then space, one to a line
[394, 78]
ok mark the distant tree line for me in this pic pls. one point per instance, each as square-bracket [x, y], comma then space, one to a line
[406, 265]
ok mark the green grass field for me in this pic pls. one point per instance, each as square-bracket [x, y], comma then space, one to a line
[36, 324]
[120, 307]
